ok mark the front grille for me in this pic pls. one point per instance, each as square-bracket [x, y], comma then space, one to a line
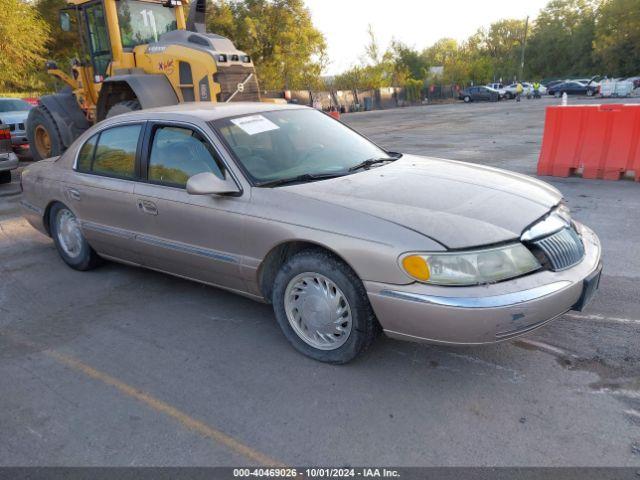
[230, 77]
[563, 249]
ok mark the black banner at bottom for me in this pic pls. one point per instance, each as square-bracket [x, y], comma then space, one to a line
[282, 473]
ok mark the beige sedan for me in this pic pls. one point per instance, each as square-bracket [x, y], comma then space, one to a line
[286, 205]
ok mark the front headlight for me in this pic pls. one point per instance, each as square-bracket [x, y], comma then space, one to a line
[470, 268]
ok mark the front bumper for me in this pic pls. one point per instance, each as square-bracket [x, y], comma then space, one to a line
[485, 313]
[8, 161]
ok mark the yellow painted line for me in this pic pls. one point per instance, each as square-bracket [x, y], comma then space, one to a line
[157, 405]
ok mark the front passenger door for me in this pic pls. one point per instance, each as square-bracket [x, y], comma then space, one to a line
[194, 236]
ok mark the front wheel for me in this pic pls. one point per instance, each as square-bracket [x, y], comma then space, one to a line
[69, 240]
[44, 138]
[322, 307]
[589, 93]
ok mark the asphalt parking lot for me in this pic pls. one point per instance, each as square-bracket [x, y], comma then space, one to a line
[121, 366]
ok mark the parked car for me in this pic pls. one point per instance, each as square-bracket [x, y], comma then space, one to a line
[572, 88]
[480, 93]
[8, 159]
[499, 87]
[339, 235]
[14, 112]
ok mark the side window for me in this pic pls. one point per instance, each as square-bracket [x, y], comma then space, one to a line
[111, 152]
[116, 151]
[179, 153]
[85, 157]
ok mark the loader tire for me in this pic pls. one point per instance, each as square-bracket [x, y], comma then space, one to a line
[43, 134]
[124, 107]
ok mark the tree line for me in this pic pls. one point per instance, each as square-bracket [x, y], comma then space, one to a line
[567, 38]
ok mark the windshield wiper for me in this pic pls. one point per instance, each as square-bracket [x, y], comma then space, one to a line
[371, 161]
[305, 177]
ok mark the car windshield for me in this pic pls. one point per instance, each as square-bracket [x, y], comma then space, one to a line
[287, 143]
[14, 105]
[143, 22]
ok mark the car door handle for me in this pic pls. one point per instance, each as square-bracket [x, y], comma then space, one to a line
[73, 194]
[148, 207]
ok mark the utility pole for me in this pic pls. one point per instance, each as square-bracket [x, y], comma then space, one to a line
[524, 45]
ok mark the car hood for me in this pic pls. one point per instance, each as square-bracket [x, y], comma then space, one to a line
[19, 116]
[459, 205]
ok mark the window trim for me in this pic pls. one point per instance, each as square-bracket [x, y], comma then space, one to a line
[85, 16]
[147, 143]
[98, 134]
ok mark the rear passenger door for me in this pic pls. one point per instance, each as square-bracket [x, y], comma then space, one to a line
[100, 193]
[195, 236]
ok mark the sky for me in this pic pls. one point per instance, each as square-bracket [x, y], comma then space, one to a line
[417, 23]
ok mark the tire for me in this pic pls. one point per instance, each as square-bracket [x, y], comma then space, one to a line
[509, 96]
[467, 99]
[124, 107]
[44, 137]
[5, 177]
[86, 258]
[322, 272]
[589, 93]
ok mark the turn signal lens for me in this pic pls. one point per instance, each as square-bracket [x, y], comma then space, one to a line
[417, 267]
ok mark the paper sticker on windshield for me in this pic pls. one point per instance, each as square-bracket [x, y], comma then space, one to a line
[254, 124]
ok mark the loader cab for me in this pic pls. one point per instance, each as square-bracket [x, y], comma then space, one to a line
[110, 29]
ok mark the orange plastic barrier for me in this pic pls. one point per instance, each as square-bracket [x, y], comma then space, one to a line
[335, 114]
[601, 140]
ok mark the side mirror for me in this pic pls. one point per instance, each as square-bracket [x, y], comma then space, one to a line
[65, 21]
[206, 183]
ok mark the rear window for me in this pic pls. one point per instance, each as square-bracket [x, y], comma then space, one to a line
[111, 152]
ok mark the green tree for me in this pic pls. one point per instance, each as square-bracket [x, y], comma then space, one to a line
[617, 37]
[561, 42]
[408, 63]
[61, 46]
[288, 51]
[23, 35]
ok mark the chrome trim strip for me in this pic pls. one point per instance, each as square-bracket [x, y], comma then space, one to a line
[550, 225]
[492, 301]
[185, 248]
[32, 207]
[159, 242]
[117, 232]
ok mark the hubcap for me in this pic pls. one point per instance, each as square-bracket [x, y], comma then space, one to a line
[318, 311]
[69, 234]
[43, 141]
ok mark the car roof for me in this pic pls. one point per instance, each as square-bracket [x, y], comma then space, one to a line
[205, 111]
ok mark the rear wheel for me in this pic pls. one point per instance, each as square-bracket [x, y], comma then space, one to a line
[589, 93]
[323, 308]
[69, 240]
[467, 99]
[124, 107]
[44, 138]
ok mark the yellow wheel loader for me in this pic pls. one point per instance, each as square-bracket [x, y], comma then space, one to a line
[136, 54]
